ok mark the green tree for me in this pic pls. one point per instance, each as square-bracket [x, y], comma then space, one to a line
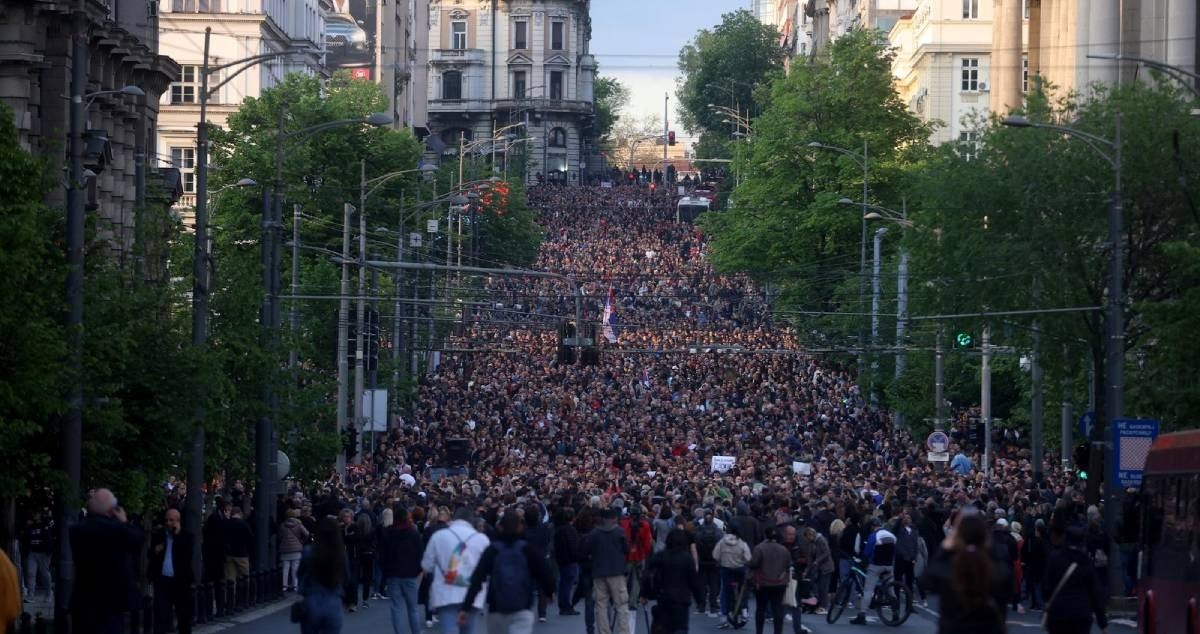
[784, 226]
[32, 338]
[724, 66]
[610, 97]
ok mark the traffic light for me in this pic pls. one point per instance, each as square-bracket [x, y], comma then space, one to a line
[671, 138]
[1083, 457]
[963, 339]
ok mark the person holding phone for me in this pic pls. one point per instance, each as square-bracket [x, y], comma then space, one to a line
[104, 546]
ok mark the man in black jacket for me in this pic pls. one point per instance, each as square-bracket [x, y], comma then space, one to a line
[104, 547]
[171, 573]
[510, 587]
[400, 551]
[566, 555]
[606, 548]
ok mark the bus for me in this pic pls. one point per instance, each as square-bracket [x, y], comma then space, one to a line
[1170, 568]
[690, 207]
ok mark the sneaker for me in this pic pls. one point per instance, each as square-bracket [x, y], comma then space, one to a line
[787, 617]
[713, 615]
[820, 612]
[429, 624]
[724, 625]
[365, 605]
[1020, 609]
[541, 619]
[861, 619]
[376, 596]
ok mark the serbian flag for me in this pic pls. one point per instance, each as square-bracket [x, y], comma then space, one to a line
[610, 319]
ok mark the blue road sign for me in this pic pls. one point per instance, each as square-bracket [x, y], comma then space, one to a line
[1086, 421]
[1131, 440]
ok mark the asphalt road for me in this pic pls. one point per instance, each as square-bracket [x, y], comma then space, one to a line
[377, 620]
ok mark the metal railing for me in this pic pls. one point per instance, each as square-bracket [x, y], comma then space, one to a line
[210, 602]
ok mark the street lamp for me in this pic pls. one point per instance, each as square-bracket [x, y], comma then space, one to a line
[1180, 75]
[1114, 343]
[129, 91]
[862, 161]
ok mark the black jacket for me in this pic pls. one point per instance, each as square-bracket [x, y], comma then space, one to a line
[181, 556]
[605, 548]
[1080, 597]
[400, 551]
[566, 545]
[104, 551]
[239, 537]
[538, 569]
[956, 617]
[674, 572]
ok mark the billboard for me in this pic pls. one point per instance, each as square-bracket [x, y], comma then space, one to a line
[350, 38]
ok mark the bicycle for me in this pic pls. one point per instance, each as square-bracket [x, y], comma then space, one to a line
[892, 600]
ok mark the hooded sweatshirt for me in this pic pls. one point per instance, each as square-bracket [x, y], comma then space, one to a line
[731, 552]
[606, 547]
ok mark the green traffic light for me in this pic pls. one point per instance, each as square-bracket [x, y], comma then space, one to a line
[963, 339]
[1082, 475]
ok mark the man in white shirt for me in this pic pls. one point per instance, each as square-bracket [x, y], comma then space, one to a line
[451, 556]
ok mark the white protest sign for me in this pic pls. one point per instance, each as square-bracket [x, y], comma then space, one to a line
[802, 468]
[722, 464]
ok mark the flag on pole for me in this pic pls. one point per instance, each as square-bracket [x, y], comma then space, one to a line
[610, 319]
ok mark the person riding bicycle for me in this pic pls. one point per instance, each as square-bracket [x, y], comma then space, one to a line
[880, 555]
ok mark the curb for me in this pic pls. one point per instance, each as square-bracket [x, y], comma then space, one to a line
[242, 619]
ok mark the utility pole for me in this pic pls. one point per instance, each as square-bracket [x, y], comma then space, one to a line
[878, 246]
[358, 319]
[901, 307]
[1036, 407]
[1067, 414]
[666, 137]
[939, 379]
[262, 427]
[294, 309]
[72, 433]
[985, 398]
[398, 279]
[862, 261]
[343, 333]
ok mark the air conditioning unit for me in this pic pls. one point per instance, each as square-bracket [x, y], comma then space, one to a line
[983, 86]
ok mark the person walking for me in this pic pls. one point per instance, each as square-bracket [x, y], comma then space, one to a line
[585, 523]
[451, 556]
[641, 545]
[514, 570]
[908, 548]
[322, 580]
[400, 551]
[365, 525]
[966, 577]
[820, 566]
[37, 544]
[292, 538]
[239, 542]
[1004, 550]
[608, 550]
[1076, 594]
[212, 545]
[708, 535]
[731, 554]
[104, 546]
[540, 537]
[771, 565]
[1033, 557]
[170, 573]
[566, 555]
[674, 581]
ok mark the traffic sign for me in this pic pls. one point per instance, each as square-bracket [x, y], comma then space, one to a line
[1131, 440]
[938, 442]
[935, 456]
[1086, 422]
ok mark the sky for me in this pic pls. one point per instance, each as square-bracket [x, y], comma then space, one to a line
[638, 42]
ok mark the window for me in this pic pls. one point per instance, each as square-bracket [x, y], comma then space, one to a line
[184, 160]
[518, 84]
[194, 6]
[970, 9]
[558, 137]
[556, 84]
[452, 85]
[970, 73]
[966, 145]
[1024, 75]
[521, 34]
[556, 36]
[185, 90]
[458, 35]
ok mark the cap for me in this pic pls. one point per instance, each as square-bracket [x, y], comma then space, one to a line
[1002, 523]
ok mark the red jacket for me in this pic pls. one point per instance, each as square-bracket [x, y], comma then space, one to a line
[641, 547]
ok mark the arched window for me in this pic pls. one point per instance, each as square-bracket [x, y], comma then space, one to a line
[558, 137]
[452, 85]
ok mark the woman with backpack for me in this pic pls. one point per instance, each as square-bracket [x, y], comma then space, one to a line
[514, 570]
[292, 538]
[771, 564]
[1074, 585]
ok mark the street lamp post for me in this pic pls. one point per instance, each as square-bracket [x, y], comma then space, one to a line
[863, 162]
[1114, 342]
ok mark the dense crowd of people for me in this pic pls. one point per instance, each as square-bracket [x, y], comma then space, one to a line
[705, 452]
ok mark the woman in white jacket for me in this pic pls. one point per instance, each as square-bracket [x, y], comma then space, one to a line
[731, 554]
[450, 559]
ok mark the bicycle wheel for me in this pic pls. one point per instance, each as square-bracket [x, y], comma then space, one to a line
[838, 605]
[893, 604]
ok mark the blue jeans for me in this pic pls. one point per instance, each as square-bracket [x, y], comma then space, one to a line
[731, 581]
[402, 592]
[448, 619]
[567, 574]
[323, 613]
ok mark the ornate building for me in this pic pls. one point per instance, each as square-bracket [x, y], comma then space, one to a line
[519, 63]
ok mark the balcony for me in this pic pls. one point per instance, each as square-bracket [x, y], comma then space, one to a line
[458, 56]
[545, 105]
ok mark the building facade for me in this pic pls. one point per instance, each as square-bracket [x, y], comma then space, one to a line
[239, 29]
[943, 65]
[117, 41]
[524, 65]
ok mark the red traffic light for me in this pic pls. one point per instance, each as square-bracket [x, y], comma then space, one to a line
[671, 138]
